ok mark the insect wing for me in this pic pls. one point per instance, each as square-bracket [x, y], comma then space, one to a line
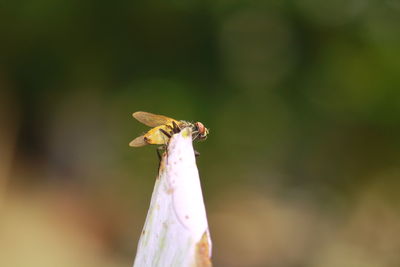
[150, 119]
[138, 141]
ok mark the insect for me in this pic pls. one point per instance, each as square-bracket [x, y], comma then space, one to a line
[164, 128]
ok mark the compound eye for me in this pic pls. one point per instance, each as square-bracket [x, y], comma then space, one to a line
[200, 128]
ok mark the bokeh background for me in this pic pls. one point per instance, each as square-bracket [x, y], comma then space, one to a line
[302, 98]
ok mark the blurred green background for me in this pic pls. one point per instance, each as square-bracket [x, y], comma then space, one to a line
[302, 99]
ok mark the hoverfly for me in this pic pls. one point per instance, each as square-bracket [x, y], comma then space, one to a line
[164, 128]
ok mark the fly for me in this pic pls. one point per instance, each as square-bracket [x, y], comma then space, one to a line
[163, 128]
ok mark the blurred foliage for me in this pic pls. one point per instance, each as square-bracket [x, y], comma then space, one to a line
[302, 99]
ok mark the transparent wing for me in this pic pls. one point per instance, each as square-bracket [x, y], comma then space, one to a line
[150, 119]
[138, 141]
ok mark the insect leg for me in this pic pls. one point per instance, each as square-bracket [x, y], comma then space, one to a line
[159, 149]
[195, 135]
[159, 155]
